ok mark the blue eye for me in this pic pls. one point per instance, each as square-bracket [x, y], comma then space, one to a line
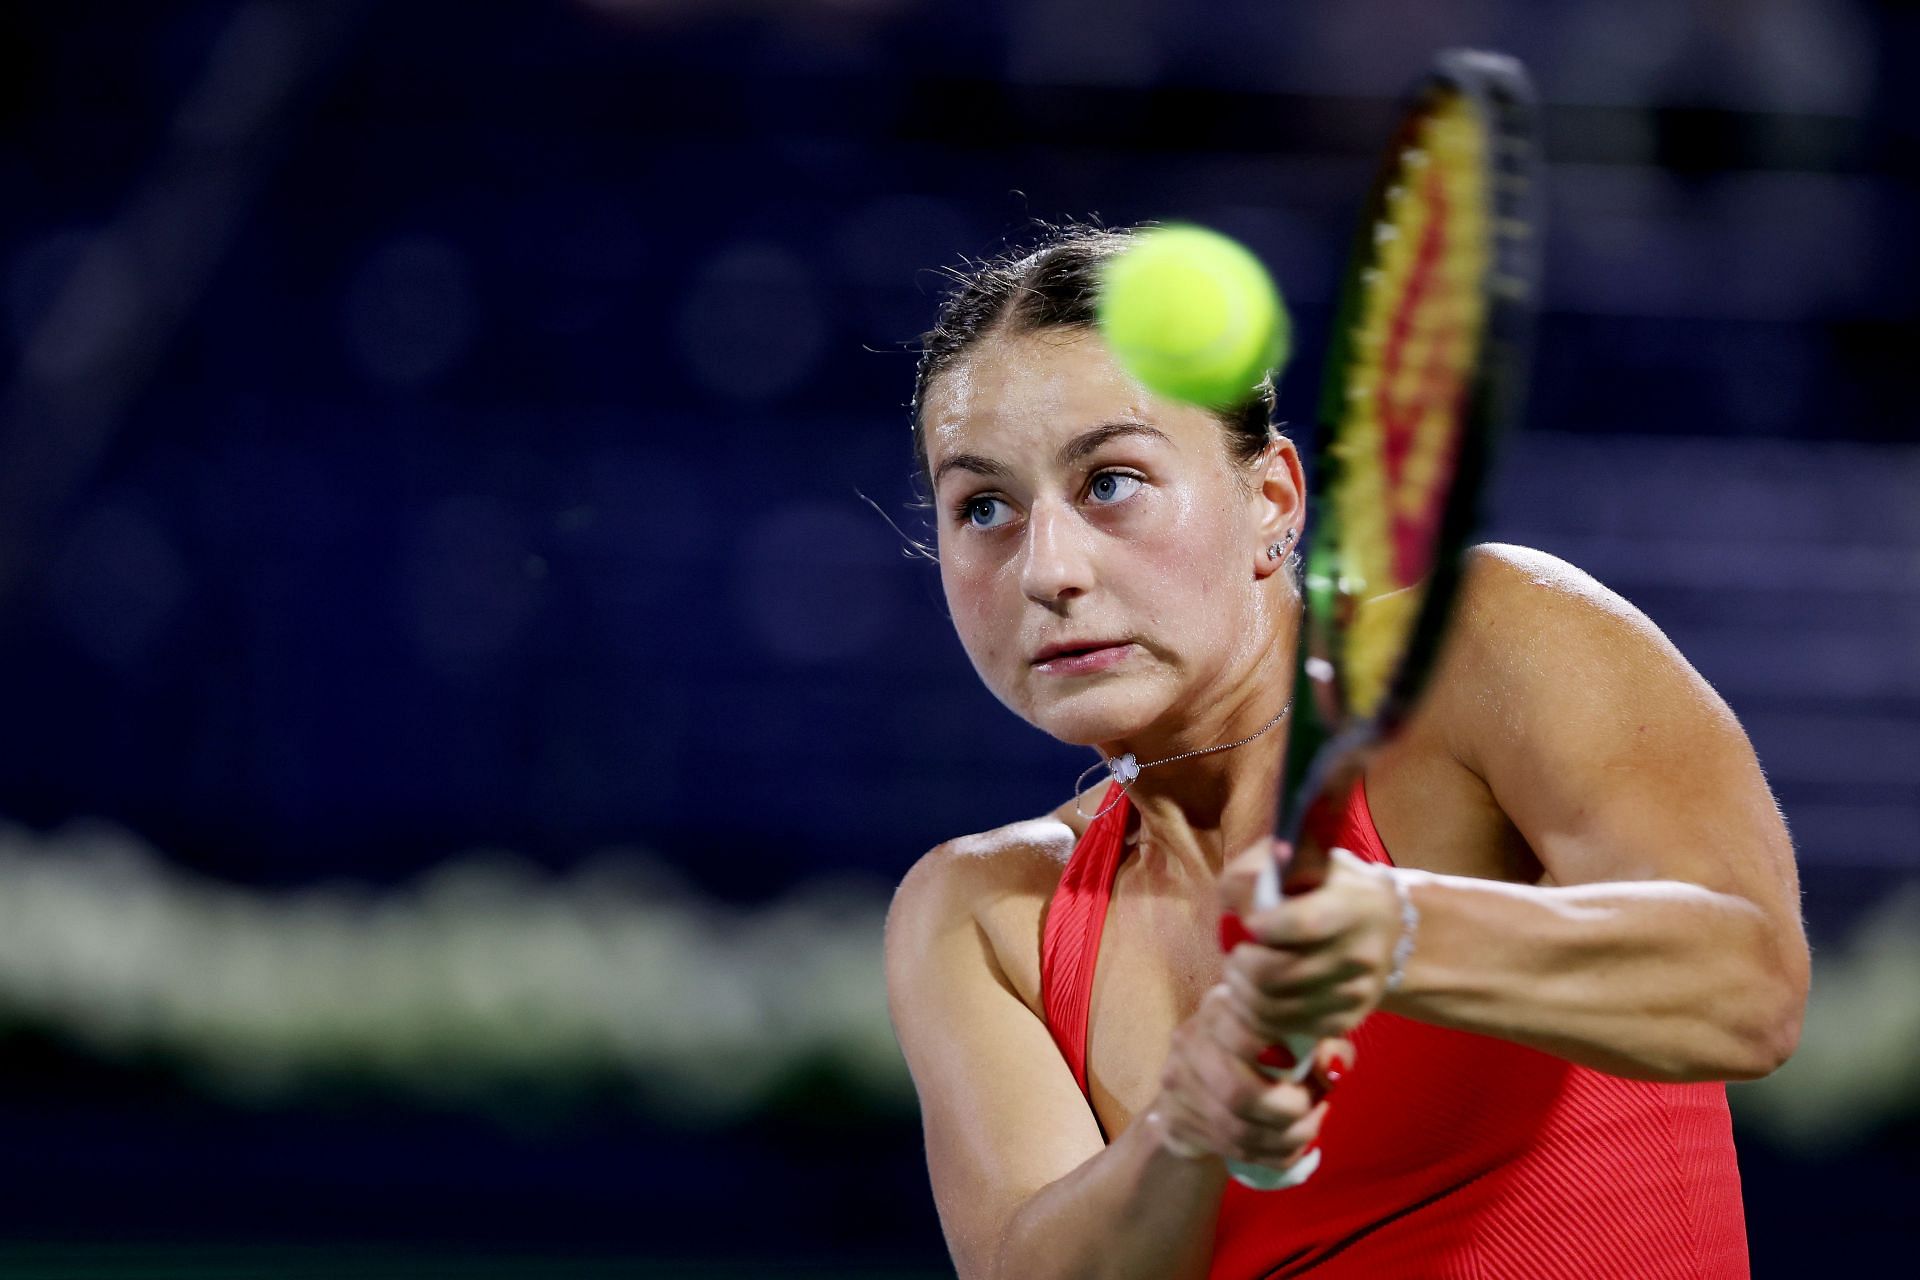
[980, 512]
[1110, 487]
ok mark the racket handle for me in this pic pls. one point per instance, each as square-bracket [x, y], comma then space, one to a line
[1292, 1060]
[1258, 1177]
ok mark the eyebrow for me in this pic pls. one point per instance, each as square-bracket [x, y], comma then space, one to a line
[1087, 441]
[969, 462]
[1071, 452]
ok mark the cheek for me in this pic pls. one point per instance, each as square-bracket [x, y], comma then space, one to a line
[974, 606]
[1187, 569]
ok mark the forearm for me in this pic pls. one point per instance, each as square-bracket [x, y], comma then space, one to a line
[1134, 1210]
[1654, 980]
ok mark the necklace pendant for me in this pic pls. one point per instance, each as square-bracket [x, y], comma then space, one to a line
[1125, 769]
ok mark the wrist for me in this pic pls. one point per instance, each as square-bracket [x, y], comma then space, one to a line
[1405, 928]
[1158, 1123]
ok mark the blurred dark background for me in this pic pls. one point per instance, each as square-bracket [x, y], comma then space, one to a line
[438, 576]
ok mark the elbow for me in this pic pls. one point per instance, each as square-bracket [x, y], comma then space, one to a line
[1746, 1032]
[1760, 1054]
[1787, 1015]
[1781, 1036]
[1773, 981]
[1770, 1032]
[1716, 1049]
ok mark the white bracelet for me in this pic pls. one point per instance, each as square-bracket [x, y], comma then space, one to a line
[1409, 922]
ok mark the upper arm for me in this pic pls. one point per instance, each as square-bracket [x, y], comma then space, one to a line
[1002, 1114]
[1609, 753]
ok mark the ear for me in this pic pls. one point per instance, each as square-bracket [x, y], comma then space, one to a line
[1280, 505]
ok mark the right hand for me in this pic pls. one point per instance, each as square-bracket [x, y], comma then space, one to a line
[1215, 1102]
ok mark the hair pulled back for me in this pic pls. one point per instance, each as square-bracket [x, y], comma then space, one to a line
[1054, 284]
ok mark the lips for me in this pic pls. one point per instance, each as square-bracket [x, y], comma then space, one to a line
[1073, 648]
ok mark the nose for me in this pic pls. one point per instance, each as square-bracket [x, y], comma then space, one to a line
[1057, 565]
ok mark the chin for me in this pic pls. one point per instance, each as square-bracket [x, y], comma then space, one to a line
[1090, 716]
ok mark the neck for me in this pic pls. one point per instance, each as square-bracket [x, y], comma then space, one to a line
[1199, 812]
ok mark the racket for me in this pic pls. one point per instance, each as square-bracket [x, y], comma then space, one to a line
[1427, 363]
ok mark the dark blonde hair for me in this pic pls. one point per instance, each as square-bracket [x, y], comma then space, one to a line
[1054, 284]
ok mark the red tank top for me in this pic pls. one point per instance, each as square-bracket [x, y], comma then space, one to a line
[1449, 1155]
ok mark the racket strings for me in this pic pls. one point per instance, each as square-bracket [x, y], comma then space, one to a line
[1420, 316]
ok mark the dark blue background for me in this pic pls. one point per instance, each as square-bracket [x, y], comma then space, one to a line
[499, 479]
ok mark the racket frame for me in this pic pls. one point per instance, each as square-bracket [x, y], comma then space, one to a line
[1328, 750]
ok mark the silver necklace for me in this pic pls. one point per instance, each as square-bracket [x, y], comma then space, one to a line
[1125, 768]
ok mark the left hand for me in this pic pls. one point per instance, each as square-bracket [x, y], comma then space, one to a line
[1319, 961]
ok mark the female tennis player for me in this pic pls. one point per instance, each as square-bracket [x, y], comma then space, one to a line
[1564, 911]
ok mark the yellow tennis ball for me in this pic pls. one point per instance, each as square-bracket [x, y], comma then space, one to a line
[1193, 315]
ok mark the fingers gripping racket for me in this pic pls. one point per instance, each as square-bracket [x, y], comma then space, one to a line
[1427, 363]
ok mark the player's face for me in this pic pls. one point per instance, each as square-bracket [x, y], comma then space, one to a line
[1075, 508]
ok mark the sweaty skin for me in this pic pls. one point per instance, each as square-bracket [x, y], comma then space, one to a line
[1195, 634]
[1600, 870]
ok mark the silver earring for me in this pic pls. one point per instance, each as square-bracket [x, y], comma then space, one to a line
[1276, 549]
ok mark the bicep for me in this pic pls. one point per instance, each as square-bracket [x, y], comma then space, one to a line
[1002, 1115]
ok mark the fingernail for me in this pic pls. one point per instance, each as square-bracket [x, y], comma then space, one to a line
[1334, 1076]
[1232, 931]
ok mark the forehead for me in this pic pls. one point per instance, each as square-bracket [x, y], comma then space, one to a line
[1037, 389]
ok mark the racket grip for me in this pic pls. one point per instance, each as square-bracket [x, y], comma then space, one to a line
[1259, 1177]
[1292, 1060]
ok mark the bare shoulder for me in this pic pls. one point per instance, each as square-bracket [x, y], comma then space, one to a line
[1517, 592]
[1547, 669]
[1529, 619]
[972, 871]
[997, 882]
